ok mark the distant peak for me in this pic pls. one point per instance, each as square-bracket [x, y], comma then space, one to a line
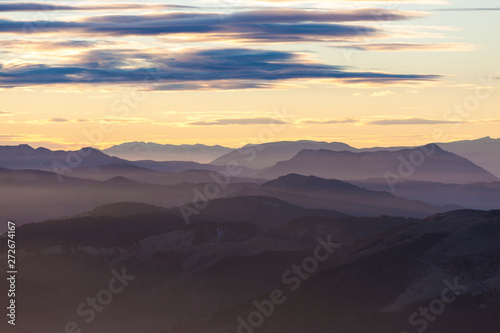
[434, 147]
[25, 146]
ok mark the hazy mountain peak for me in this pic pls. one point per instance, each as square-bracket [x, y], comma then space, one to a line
[267, 154]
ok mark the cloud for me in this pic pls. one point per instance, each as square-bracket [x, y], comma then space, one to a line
[236, 68]
[328, 121]
[58, 120]
[468, 9]
[49, 45]
[4, 113]
[80, 120]
[411, 121]
[236, 121]
[392, 121]
[408, 47]
[270, 25]
[35, 7]
[486, 121]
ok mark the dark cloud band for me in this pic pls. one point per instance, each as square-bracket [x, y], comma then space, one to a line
[221, 67]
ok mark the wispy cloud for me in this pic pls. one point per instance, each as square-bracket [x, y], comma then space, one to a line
[328, 121]
[408, 47]
[35, 7]
[236, 121]
[412, 121]
[471, 9]
[390, 121]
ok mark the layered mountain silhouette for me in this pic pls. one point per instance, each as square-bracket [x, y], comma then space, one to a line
[146, 175]
[49, 196]
[427, 163]
[483, 152]
[319, 193]
[357, 240]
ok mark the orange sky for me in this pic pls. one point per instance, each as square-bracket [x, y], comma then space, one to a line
[364, 73]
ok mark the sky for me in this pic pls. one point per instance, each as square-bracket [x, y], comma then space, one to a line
[368, 73]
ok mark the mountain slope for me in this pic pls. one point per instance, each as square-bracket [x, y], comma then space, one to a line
[483, 196]
[484, 152]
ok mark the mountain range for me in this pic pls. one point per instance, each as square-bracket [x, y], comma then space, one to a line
[166, 152]
[356, 240]
[61, 183]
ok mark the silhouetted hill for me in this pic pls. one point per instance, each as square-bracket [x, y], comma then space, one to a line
[259, 210]
[121, 209]
[101, 231]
